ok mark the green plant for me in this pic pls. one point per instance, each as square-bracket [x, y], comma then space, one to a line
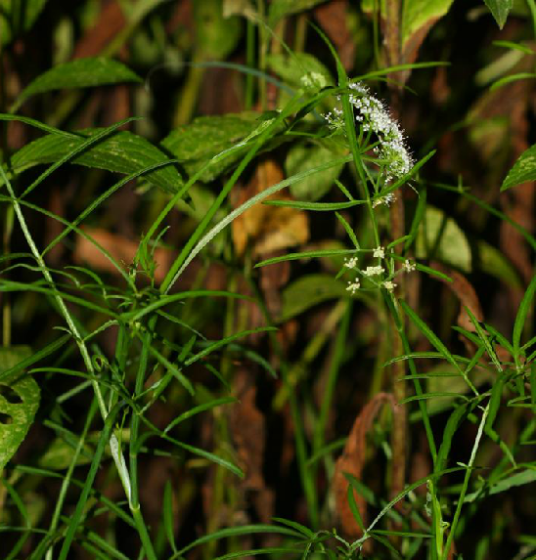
[159, 355]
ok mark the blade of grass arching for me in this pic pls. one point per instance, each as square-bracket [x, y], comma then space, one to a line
[182, 258]
[82, 500]
[198, 409]
[203, 241]
[69, 474]
[399, 68]
[224, 342]
[436, 343]
[99, 200]
[306, 255]
[73, 153]
[314, 206]
[237, 532]
[37, 356]
[195, 242]
[37, 124]
[213, 458]
[525, 307]
[164, 300]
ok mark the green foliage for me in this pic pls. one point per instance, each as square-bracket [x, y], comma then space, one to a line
[523, 171]
[206, 137]
[18, 16]
[81, 73]
[500, 10]
[186, 372]
[19, 401]
[122, 152]
[301, 158]
[283, 8]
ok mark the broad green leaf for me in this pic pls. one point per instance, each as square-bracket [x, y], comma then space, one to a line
[301, 158]
[308, 291]
[79, 73]
[282, 8]
[196, 143]
[499, 10]
[524, 170]
[440, 237]
[17, 16]
[301, 70]
[19, 401]
[122, 152]
[216, 35]
[418, 15]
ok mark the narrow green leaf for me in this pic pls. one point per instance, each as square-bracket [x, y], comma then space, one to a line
[306, 255]
[79, 73]
[525, 307]
[168, 515]
[352, 487]
[314, 206]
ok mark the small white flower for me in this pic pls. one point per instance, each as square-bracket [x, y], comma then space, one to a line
[379, 253]
[388, 285]
[409, 266]
[353, 286]
[351, 263]
[373, 270]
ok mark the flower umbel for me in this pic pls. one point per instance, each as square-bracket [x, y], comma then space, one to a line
[373, 116]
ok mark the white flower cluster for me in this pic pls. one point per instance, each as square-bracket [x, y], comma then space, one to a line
[373, 116]
[353, 286]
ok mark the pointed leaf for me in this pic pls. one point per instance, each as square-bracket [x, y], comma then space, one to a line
[79, 73]
[499, 10]
[122, 152]
[524, 169]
